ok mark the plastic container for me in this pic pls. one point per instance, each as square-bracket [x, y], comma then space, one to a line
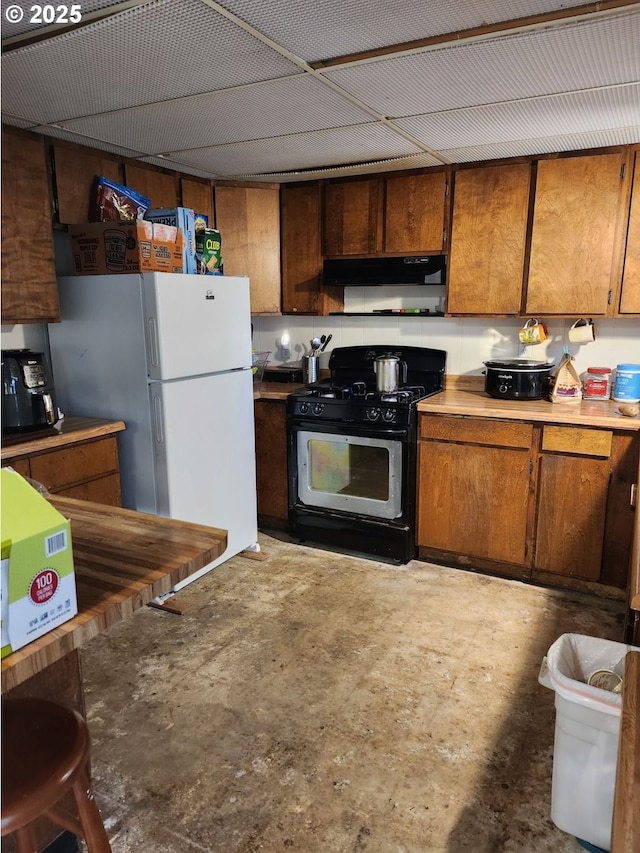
[585, 751]
[627, 384]
[596, 383]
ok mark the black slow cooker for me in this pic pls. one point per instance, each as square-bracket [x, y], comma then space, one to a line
[518, 378]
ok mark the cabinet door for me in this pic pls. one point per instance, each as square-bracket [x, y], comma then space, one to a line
[414, 212]
[630, 297]
[301, 257]
[572, 501]
[578, 201]
[77, 171]
[488, 238]
[351, 217]
[160, 188]
[473, 497]
[29, 288]
[271, 462]
[198, 195]
[248, 219]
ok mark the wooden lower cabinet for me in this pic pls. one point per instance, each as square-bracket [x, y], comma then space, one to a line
[271, 463]
[550, 503]
[474, 485]
[87, 470]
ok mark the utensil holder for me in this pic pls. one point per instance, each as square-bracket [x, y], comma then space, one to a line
[310, 366]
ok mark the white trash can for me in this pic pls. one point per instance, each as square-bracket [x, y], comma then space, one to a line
[585, 751]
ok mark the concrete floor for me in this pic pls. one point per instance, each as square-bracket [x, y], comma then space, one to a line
[317, 702]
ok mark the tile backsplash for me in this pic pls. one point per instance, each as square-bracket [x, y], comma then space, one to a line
[468, 341]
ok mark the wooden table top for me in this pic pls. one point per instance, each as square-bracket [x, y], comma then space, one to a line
[626, 806]
[123, 560]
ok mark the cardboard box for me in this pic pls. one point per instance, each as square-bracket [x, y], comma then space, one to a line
[38, 580]
[101, 248]
[183, 218]
[209, 251]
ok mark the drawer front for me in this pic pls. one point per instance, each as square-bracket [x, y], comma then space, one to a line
[486, 431]
[577, 440]
[104, 490]
[76, 463]
[19, 465]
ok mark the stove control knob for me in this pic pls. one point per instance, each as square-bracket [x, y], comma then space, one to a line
[503, 389]
[373, 414]
[388, 415]
[304, 408]
[317, 409]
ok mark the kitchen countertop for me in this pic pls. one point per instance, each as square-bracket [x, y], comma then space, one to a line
[70, 430]
[475, 402]
[123, 559]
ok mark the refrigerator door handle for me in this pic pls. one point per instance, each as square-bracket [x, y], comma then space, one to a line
[154, 349]
[157, 420]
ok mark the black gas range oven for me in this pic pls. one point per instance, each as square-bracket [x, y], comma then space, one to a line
[352, 452]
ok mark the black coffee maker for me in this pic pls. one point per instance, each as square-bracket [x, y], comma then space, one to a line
[28, 395]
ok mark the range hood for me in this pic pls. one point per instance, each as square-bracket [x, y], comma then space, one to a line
[416, 269]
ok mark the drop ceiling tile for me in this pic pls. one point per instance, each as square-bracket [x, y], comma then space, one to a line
[314, 31]
[274, 108]
[16, 122]
[142, 55]
[190, 170]
[412, 161]
[316, 149]
[60, 133]
[548, 145]
[567, 114]
[599, 52]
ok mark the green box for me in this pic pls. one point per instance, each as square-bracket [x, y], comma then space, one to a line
[38, 589]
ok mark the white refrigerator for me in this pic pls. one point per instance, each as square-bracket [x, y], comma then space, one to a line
[170, 355]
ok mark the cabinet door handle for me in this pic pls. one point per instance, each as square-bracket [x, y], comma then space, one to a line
[634, 493]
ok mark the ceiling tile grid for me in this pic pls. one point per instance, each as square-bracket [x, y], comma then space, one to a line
[142, 55]
[318, 31]
[360, 143]
[411, 161]
[274, 108]
[600, 52]
[566, 114]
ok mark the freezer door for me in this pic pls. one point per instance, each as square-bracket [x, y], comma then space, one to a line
[196, 324]
[205, 453]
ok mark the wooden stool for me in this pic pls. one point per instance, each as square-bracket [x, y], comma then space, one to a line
[45, 752]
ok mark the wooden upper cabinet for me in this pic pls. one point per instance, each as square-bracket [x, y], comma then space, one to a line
[248, 219]
[29, 288]
[572, 266]
[630, 296]
[415, 212]
[199, 197]
[488, 239]
[160, 188]
[351, 215]
[77, 171]
[301, 255]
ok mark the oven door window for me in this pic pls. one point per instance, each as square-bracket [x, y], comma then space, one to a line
[350, 473]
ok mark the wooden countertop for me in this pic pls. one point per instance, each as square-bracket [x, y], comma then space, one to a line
[475, 402]
[626, 806]
[70, 430]
[274, 390]
[123, 560]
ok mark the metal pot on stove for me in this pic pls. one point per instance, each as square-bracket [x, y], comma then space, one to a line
[28, 395]
[390, 373]
[517, 378]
